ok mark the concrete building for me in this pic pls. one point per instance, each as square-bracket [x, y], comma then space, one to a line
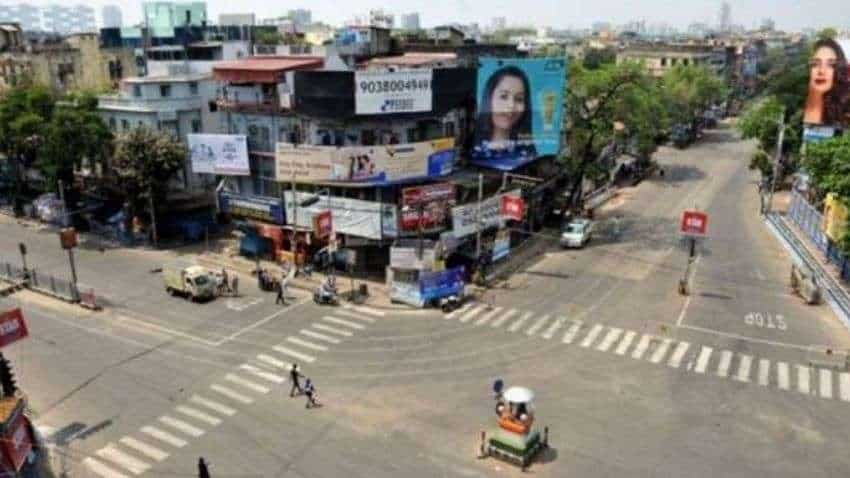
[111, 17]
[381, 19]
[659, 57]
[498, 23]
[237, 19]
[410, 21]
[168, 15]
[68, 19]
[300, 17]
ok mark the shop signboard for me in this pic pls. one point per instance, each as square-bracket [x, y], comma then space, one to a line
[408, 258]
[387, 92]
[407, 293]
[520, 109]
[434, 285]
[17, 442]
[463, 217]
[225, 154]
[323, 224]
[350, 216]
[513, 207]
[252, 207]
[389, 220]
[303, 163]
[13, 327]
[426, 207]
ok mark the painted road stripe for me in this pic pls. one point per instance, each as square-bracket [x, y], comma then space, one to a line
[231, 394]
[501, 320]
[366, 310]
[292, 353]
[537, 325]
[678, 354]
[348, 313]
[624, 344]
[591, 336]
[803, 379]
[181, 426]
[306, 344]
[318, 336]
[273, 361]
[661, 351]
[472, 313]
[702, 360]
[347, 323]
[844, 386]
[102, 470]
[725, 362]
[213, 405]
[451, 315]
[143, 448]
[163, 436]
[258, 372]
[518, 322]
[246, 383]
[783, 377]
[609, 339]
[333, 330]
[550, 332]
[489, 315]
[825, 383]
[641, 347]
[744, 368]
[764, 372]
[198, 415]
[571, 333]
[128, 462]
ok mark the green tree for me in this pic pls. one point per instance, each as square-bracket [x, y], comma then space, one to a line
[828, 164]
[761, 121]
[828, 32]
[689, 91]
[594, 58]
[74, 137]
[263, 37]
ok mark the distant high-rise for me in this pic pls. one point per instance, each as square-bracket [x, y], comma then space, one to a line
[237, 19]
[410, 21]
[111, 16]
[301, 16]
[68, 19]
[174, 14]
[725, 18]
[498, 23]
[381, 19]
[767, 24]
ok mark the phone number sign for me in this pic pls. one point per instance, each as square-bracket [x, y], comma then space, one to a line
[383, 92]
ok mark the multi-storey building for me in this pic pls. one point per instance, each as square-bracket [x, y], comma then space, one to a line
[169, 15]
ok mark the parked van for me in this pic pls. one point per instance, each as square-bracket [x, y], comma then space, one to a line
[192, 282]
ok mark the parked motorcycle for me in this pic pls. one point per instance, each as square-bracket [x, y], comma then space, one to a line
[450, 303]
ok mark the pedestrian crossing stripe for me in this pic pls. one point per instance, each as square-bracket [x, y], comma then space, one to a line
[571, 333]
[624, 344]
[702, 360]
[101, 469]
[803, 379]
[550, 332]
[163, 436]
[182, 426]
[678, 354]
[362, 318]
[725, 363]
[472, 313]
[256, 387]
[744, 368]
[641, 347]
[198, 415]
[518, 323]
[661, 351]
[537, 325]
[148, 450]
[213, 405]
[489, 315]
[258, 372]
[609, 339]
[118, 457]
[501, 320]
[825, 383]
[294, 354]
[462, 310]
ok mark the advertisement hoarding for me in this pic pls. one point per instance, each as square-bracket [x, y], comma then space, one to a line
[12, 327]
[323, 224]
[407, 293]
[225, 154]
[520, 108]
[426, 207]
[250, 207]
[386, 92]
[408, 258]
[434, 285]
[463, 217]
[350, 216]
[303, 163]
[827, 100]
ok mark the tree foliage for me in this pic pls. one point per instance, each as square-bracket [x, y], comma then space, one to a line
[595, 58]
[74, 137]
[828, 164]
[689, 90]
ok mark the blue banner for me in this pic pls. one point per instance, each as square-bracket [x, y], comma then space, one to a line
[520, 110]
[252, 207]
[434, 285]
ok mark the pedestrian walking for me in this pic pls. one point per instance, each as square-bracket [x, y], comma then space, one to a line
[310, 391]
[203, 471]
[225, 282]
[294, 377]
[616, 227]
[234, 286]
[280, 298]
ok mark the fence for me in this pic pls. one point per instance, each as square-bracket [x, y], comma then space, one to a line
[810, 221]
[39, 281]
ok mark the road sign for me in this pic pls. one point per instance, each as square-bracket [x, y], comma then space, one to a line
[694, 223]
[12, 327]
[513, 207]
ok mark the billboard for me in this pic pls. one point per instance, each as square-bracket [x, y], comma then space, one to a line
[349, 216]
[827, 101]
[252, 207]
[386, 92]
[225, 154]
[463, 217]
[434, 285]
[303, 163]
[520, 106]
[12, 327]
[426, 207]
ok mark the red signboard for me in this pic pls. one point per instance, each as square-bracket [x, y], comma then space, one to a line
[323, 224]
[694, 223]
[17, 443]
[12, 327]
[513, 207]
[425, 194]
[425, 207]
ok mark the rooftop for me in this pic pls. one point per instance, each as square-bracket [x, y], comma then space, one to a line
[412, 59]
[263, 69]
[168, 78]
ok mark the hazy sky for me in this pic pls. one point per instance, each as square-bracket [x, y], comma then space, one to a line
[788, 14]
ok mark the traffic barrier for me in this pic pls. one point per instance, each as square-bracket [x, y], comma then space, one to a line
[805, 285]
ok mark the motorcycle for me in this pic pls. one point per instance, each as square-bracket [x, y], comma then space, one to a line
[450, 303]
[325, 298]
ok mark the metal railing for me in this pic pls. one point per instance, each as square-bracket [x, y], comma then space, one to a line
[810, 220]
[38, 281]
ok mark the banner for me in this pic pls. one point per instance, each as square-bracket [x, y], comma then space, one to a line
[251, 207]
[827, 100]
[513, 207]
[12, 327]
[303, 163]
[17, 441]
[426, 207]
[694, 223]
[408, 258]
[386, 92]
[520, 108]
[463, 217]
[350, 216]
[434, 285]
[225, 154]
[502, 245]
[406, 293]
[389, 220]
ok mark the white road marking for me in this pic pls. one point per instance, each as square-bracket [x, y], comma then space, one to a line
[764, 372]
[591, 336]
[316, 335]
[825, 383]
[641, 347]
[489, 315]
[746, 338]
[234, 395]
[624, 344]
[550, 332]
[271, 377]
[256, 387]
[472, 313]
[182, 426]
[571, 333]
[661, 351]
[518, 323]
[725, 362]
[128, 462]
[803, 379]
[744, 368]
[501, 320]
[346, 313]
[306, 344]
[333, 330]
[537, 325]
[702, 360]
[366, 310]
[678, 354]
[198, 415]
[143, 448]
[213, 405]
[683, 312]
[783, 377]
[609, 339]
[844, 386]
[292, 353]
[164, 436]
[347, 323]
[102, 470]
[451, 315]
[273, 361]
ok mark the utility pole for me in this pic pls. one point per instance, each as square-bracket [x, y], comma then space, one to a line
[777, 160]
[64, 206]
[478, 217]
[153, 218]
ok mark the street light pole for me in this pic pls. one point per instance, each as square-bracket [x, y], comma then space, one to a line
[478, 217]
[777, 160]
[153, 218]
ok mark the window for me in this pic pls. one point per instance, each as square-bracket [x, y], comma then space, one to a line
[411, 135]
[663, 61]
[193, 88]
[165, 91]
[196, 125]
[673, 61]
[685, 61]
[125, 125]
[367, 137]
[112, 123]
[450, 129]
[213, 106]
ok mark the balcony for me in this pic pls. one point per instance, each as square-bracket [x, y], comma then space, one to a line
[149, 105]
[258, 104]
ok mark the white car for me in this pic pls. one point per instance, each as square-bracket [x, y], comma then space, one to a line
[576, 233]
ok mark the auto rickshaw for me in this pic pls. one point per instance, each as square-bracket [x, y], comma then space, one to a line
[515, 440]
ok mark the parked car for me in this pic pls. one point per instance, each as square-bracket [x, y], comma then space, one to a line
[576, 233]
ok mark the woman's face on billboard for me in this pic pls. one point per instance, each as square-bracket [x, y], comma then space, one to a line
[822, 70]
[508, 102]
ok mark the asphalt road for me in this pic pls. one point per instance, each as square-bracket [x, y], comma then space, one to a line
[632, 378]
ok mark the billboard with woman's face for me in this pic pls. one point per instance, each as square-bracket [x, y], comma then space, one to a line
[828, 100]
[520, 103]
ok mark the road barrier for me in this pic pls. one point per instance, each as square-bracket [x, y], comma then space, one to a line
[804, 284]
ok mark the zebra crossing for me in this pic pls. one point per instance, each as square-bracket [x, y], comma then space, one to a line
[742, 368]
[136, 455]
